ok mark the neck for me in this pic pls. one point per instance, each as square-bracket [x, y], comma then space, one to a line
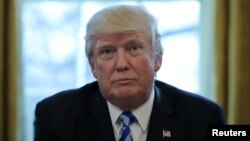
[130, 103]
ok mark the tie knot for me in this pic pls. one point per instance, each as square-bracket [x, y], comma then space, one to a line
[127, 118]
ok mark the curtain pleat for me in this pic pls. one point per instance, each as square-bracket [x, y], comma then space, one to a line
[1, 73]
[221, 29]
[239, 66]
[9, 65]
[232, 65]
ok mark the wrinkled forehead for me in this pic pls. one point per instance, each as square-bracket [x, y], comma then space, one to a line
[122, 35]
[121, 32]
[121, 38]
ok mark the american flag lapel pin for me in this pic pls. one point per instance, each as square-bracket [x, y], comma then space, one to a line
[166, 134]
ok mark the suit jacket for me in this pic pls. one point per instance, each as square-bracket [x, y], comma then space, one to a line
[82, 115]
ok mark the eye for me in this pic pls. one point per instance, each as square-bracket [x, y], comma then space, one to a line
[106, 51]
[135, 49]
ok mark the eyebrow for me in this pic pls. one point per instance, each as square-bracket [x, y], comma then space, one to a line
[133, 41]
[99, 48]
[104, 45]
[137, 42]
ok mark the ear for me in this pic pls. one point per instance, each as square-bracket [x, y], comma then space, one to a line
[158, 61]
[92, 65]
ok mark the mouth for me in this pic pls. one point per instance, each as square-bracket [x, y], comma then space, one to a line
[125, 81]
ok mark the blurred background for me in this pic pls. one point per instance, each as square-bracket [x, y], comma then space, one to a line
[206, 51]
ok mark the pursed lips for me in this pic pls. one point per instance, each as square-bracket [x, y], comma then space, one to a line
[123, 81]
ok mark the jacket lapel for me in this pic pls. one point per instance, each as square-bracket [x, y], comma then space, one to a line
[102, 119]
[161, 126]
[93, 120]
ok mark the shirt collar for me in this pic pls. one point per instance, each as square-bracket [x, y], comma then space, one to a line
[141, 113]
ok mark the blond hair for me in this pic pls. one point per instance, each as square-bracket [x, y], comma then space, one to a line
[122, 18]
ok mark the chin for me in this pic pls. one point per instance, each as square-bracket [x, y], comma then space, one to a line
[125, 92]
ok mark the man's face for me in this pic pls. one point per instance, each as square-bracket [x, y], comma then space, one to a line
[124, 65]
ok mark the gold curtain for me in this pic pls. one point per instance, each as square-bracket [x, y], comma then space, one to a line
[232, 59]
[8, 71]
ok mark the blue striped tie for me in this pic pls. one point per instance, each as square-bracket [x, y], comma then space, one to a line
[126, 118]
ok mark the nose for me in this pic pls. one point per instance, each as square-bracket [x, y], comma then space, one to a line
[121, 62]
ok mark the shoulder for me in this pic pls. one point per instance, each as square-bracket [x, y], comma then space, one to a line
[57, 114]
[179, 95]
[190, 103]
[69, 99]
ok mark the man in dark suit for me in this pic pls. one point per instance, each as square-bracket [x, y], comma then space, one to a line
[125, 103]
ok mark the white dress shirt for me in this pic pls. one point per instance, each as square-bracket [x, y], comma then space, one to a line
[139, 129]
